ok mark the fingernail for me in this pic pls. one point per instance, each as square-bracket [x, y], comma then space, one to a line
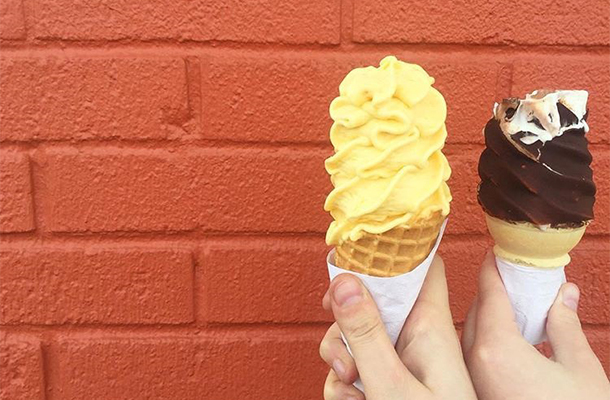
[347, 293]
[570, 297]
[339, 368]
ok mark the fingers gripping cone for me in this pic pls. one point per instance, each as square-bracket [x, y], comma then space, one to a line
[390, 196]
[394, 295]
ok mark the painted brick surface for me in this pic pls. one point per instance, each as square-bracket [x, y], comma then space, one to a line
[12, 24]
[289, 280]
[287, 99]
[21, 368]
[601, 177]
[470, 90]
[162, 179]
[95, 285]
[215, 190]
[236, 21]
[271, 99]
[253, 366]
[589, 270]
[16, 209]
[466, 214]
[463, 256]
[91, 98]
[482, 22]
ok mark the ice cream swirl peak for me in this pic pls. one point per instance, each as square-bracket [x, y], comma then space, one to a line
[388, 168]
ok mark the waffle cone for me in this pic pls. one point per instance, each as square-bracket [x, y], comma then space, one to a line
[391, 253]
[526, 244]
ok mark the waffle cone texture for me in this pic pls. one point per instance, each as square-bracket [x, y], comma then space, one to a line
[391, 253]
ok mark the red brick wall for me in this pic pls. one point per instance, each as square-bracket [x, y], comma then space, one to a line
[162, 178]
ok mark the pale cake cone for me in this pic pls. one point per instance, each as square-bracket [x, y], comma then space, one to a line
[525, 244]
[391, 253]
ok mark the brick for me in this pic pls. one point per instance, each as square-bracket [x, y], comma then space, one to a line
[601, 177]
[599, 339]
[255, 365]
[263, 21]
[287, 99]
[269, 280]
[482, 22]
[470, 90]
[236, 190]
[272, 99]
[21, 371]
[463, 256]
[44, 285]
[93, 98]
[12, 25]
[589, 270]
[589, 73]
[16, 208]
[130, 191]
[466, 213]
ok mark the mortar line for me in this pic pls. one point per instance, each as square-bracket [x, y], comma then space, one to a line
[193, 237]
[46, 370]
[511, 77]
[193, 145]
[126, 47]
[341, 11]
[196, 268]
[48, 333]
[36, 214]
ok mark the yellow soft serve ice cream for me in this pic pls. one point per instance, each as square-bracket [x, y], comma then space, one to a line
[388, 169]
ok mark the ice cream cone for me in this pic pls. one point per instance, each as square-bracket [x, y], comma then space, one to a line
[526, 244]
[391, 253]
[537, 192]
[388, 171]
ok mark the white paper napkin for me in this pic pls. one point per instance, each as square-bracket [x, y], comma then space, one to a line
[395, 296]
[532, 292]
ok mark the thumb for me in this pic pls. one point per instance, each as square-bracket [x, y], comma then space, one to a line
[567, 339]
[357, 315]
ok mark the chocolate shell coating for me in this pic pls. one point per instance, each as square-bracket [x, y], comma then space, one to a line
[548, 183]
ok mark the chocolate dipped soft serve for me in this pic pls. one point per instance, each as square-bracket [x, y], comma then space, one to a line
[536, 185]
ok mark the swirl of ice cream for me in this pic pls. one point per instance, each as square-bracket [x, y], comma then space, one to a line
[388, 169]
[536, 164]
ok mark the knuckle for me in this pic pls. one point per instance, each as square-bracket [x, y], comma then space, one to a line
[562, 319]
[397, 381]
[329, 388]
[439, 260]
[486, 356]
[429, 326]
[324, 348]
[424, 324]
[365, 330]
